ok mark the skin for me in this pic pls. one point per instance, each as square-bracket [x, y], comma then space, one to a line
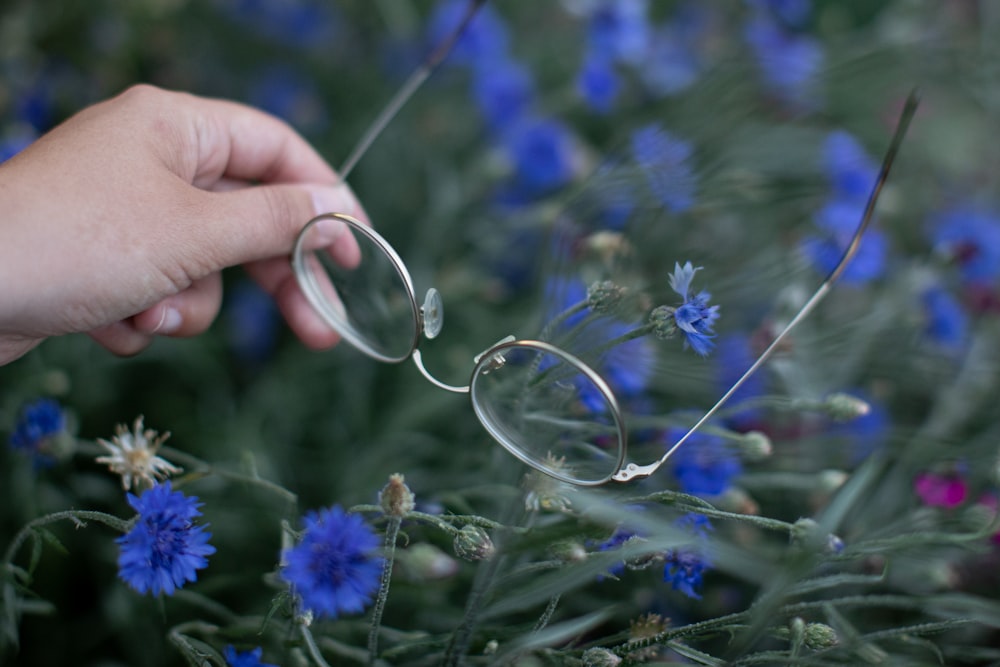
[118, 222]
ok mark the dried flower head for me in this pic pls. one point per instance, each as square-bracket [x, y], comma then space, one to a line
[544, 492]
[132, 454]
[395, 497]
[642, 633]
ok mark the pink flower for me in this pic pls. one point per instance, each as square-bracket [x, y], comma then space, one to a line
[937, 490]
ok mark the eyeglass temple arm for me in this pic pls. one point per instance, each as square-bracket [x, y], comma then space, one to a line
[632, 470]
[410, 86]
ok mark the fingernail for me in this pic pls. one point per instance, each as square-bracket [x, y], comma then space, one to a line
[324, 233]
[335, 199]
[170, 321]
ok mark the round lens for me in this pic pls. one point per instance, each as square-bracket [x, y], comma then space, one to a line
[358, 284]
[550, 410]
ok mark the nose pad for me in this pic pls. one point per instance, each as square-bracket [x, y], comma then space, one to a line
[433, 313]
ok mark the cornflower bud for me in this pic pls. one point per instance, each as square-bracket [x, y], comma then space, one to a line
[831, 480]
[755, 445]
[818, 636]
[844, 407]
[395, 497]
[807, 534]
[664, 324]
[600, 657]
[473, 543]
[605, 297]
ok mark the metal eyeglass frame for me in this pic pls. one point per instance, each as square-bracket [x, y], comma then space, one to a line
[428, 318]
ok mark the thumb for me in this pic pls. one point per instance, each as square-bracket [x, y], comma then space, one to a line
[262, 221]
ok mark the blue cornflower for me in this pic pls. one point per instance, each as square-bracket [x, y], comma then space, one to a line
[164, 548]
[598, 83]
[848, 166]
[484, 40]
[666, 162]
[788, 63]
[838, 222]
[335, 568]
[38, 424]
[236, 658]
[970, 236]
[695, 318]
[543, 154]
[504, 93]
[946, 322]
[704, 465]
[620, 29]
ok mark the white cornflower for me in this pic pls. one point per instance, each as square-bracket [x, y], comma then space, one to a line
[133, 455]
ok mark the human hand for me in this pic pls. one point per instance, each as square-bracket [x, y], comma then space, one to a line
[118, 222]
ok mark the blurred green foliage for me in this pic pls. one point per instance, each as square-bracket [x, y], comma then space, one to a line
[914, 583]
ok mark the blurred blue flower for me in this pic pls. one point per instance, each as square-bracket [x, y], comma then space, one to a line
[287, 94]
[666, 163]
[620, 29]
[617, 539]
[335, 568]
[788, 62]
[504, 93]
[38, 423]
[971, 237]
[164, 548]
[684, 569]
[793, 13]
[695, 318]
[838, 221]
[733, 357]
[236, 658]
[251, 322]
[484, 40]
[704, 465]
[598, 83]
[671, 65]
[946, 322]
[685, 566]
[14, 144]
[298, 23]
[543, 155]
[35, 104]
[850, 170]
[628, 366]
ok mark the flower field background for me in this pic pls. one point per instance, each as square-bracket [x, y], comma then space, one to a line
[658, 187]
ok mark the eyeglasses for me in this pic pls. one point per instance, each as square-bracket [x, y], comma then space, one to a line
[545, 405]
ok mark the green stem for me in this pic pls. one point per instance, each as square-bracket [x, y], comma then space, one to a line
[77, 516]
[391, 533]
[198, 467]
[546, 616]
[311, 646]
